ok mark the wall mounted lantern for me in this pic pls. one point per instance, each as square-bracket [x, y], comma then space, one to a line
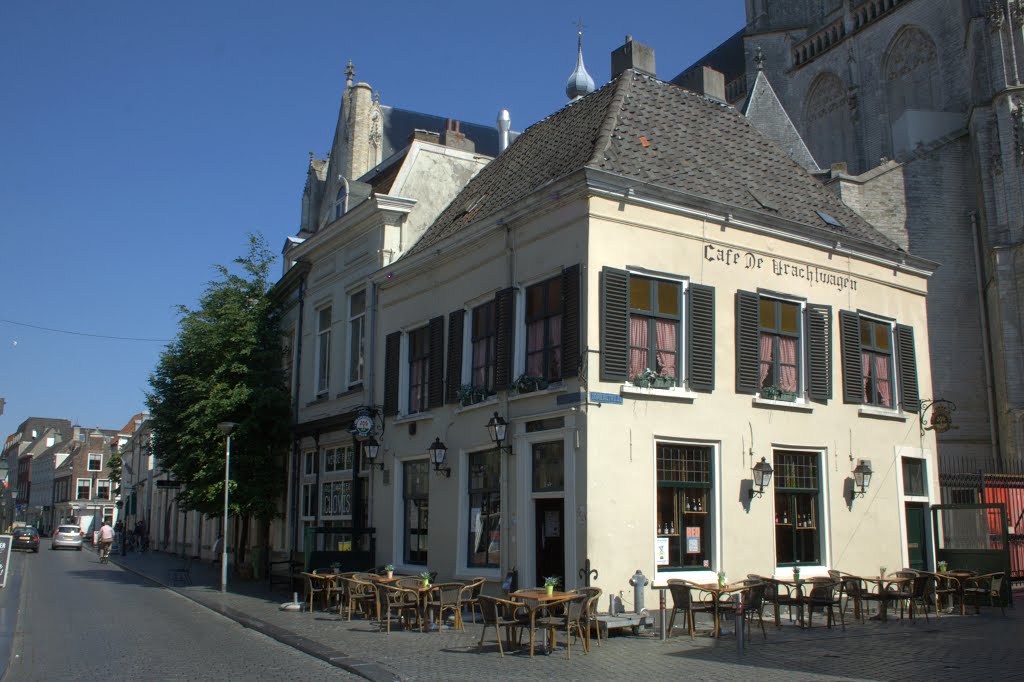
[497, 428]
[762, 477]
[371, 448]
[861, 477]
[438, 456]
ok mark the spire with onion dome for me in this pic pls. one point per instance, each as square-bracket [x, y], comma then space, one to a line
[580, 83]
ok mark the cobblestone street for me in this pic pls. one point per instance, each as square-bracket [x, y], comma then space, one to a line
[951, 647]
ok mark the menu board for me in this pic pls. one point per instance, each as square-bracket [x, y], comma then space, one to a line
[693, 539]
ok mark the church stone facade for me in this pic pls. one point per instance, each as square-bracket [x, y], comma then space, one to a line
[914, 108]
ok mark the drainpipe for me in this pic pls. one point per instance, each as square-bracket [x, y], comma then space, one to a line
[296, 459]
[986, 343]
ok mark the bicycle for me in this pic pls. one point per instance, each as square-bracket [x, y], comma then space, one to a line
[104, 552]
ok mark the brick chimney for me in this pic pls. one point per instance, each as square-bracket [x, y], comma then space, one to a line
[705, 81]
[633, 55]
[454, 137]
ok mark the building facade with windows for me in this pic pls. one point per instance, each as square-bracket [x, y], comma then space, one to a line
[653, 297]
[389, 174]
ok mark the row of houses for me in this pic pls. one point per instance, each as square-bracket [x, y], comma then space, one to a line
[638, 335]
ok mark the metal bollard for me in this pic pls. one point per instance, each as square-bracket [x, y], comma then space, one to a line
[740, 622]
[661, 613]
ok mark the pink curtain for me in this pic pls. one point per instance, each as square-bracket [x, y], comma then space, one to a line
[535, 348]
[480, 362]
[554, 371]
[882, 380]
[637, 345]
[787, 363]
[766, 359]
[667, 344]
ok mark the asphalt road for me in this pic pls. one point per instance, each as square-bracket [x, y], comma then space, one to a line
[82, 620]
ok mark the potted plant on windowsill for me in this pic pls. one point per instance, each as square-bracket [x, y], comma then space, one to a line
[652, 379]
[551, 582]
[470, 395]
[774, 392]
[528, 384]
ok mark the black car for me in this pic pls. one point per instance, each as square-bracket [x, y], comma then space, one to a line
[25, 537]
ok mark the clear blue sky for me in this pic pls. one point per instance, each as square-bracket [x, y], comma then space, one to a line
[140, 141]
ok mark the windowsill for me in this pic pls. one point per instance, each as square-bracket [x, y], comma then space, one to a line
[795, 406]
[557, 387]
[699, 575]
[674, 393]
[882, 413]
[416, 417]
[486, 402]
[353, 390]
[320, 399]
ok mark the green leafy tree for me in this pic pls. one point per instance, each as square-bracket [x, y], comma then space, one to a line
[225, 366]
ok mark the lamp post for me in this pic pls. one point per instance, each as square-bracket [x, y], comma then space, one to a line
[226, 428]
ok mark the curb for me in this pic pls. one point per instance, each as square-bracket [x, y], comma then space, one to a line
[369, 670]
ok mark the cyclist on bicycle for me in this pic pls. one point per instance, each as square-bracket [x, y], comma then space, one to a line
[106, 538]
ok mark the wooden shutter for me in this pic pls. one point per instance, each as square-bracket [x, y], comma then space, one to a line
[700, 327]
[614, 325]
[455, 337]
[435, 378]
[819, 352]
[748, 346]
[392, 352]
[505, 343]
[910, 399]
[853, 373]
[571, 322]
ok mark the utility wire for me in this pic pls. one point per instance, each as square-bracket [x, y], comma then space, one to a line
[95, 336]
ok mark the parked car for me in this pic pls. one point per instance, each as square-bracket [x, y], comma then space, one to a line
[67, 536]
[25, 537]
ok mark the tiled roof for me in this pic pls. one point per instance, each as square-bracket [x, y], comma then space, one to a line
[639, 127]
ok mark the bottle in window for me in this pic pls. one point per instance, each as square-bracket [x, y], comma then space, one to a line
[784, 521]
[671, 527]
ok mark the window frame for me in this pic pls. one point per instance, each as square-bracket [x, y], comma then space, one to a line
[101, 484]
[323, 350]
[703, 516]
[78, 488]
[488, 337]
[794, 512]
[777, 332]
[95, 457]
[417, 369]
[491, 495]
[419, 502]
[357, 342]
[549, 350]
[652, 315]
[871, 350]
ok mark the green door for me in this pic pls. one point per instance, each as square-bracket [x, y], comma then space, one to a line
[916, 538]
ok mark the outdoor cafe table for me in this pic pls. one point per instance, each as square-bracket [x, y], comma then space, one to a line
[723, 596]
[958, 578]
[882, 585]
[536, 599]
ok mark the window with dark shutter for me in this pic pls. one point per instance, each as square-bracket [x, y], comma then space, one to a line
[571, 322]
[747, 347]
[435, 381]
[505, 342]
[455, 321]
[614, 325]
[849, 336]
[392, 351]
[910, 398]
[700, 320]
[819, 352]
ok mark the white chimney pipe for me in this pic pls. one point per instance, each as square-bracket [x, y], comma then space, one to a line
[504, 125]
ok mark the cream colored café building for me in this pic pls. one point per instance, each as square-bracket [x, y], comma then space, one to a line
[655, 298]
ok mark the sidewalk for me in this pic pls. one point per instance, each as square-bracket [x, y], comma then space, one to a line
[951, 647]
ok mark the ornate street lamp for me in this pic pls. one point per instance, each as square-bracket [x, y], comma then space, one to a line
[762, 472]
[497, 428]
[371, 448]
[438, 456]
[861, 478]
